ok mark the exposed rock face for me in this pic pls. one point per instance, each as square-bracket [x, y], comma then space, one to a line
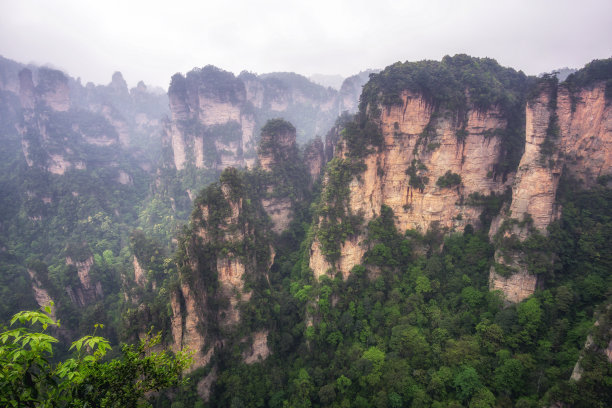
[536, 180]
[280, 212]
[40, 293]
[87, 292]
[582, 145]
[26, 91]
[430, 155]
[140, 275]
[187, 322]
[205, 384]
[51, 131]
[351, 90]
[9, 75]
[314, 156]
[277, 144]
[57, 116]
[259, 349]
[215, 116]
[278, 155]
[53, 90]
[590, 344]
[208, 118]
[516, 287]
[220, 230]
[586, 133]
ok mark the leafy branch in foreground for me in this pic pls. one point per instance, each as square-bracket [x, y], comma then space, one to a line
[30, 378]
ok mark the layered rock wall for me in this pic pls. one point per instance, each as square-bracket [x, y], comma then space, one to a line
[560, 136]
[199, 314]
[87, 291]
[207, 99]
[416, 141]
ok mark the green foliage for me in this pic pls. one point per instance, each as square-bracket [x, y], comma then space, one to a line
[416, 173]
[389, 247]
[277, 126]
[594, 71]
[449, 179]
[29, 377]
[491, 205]
[444, 83]
[467, 382]
[210, 81]
[337, 223]
[360, 136]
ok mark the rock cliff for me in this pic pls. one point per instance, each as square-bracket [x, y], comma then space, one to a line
[50, 131]
[86, 291]
[566, 131]
[210, 125]
[216, 117]
[223, 256]
[418, 148]
[449, 156]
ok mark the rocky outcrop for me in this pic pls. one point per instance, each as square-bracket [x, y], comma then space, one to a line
[140, 275]
[418, 148]
[26, 91]
[259, 348]
[277, 144]
[87, 292]
[350, 91]
[53, 90]
[208, 119]
[51, 131]
[188, 321]
[286, 177]
[586, 131]
[213, 288]
[314, 157]
[560, 136]
[435, 164]
[601, 332]
[41, 294]
[215, 116]
[57, 116]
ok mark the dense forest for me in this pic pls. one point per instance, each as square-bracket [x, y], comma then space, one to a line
[415, 322]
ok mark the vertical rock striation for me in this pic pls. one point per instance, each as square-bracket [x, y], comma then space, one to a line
[565, 132]
[420, 145]
[222, 257]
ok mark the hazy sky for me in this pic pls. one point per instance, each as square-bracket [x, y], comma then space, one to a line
[151, 40]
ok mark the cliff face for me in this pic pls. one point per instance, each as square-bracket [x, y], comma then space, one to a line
[419, 148]
[314, 157]
[442, 158]
[216, 117]
[52, 89]
[60, 117]
[287, 177]
[560, 136]
[50, 131]
[586, 132]
[350, 91]
[41, 294]
[209, 126]
[220, 257]
[86, 292]
[277, 144]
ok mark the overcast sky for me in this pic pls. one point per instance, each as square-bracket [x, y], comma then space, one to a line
[151, 40]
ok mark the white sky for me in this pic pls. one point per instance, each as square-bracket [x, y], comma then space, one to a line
[151, 40]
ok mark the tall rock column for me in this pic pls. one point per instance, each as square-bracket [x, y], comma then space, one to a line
[533, 198]
[567, 131]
